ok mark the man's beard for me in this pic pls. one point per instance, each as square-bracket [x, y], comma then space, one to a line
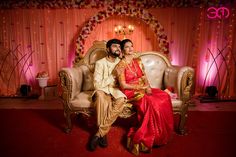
[114, 54]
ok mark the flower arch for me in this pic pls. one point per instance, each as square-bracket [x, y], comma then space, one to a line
[127, 11]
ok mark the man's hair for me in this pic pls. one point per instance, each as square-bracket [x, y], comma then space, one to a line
[112, 41]
[122, 43]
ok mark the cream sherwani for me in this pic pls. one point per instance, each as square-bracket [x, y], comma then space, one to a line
[109, 100]
[103, 78]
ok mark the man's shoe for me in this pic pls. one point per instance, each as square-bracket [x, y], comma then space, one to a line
[103, 141]
[93, 143]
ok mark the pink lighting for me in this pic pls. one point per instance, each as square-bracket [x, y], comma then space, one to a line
[51, 34]
[71, 57]
[174, 58]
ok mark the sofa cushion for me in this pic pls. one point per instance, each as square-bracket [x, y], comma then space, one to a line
[82, 100]
[176, 103]
[87, 79]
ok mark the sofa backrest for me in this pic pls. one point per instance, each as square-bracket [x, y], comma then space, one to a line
[154, 64]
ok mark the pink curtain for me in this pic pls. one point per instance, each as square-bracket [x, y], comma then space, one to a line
[35, 40]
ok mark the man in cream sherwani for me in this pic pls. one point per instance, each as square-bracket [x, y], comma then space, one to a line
[108, 99]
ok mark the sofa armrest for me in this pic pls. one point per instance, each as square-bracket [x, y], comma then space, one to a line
[181, 78]
[185, 82]
[71, 82]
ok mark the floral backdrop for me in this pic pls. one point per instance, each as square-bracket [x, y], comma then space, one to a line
[125, 11]
[101, 3]
[35, 38]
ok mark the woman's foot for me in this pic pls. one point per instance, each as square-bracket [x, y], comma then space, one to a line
[135, 149]
[144, 149]
[128, 144]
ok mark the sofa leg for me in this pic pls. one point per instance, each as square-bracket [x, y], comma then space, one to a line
[181, 127]
[68, 128]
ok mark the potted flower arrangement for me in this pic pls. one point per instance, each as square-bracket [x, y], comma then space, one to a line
[42, 77]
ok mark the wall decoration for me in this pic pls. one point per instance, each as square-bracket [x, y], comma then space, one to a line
[101, 3]
[144, 15]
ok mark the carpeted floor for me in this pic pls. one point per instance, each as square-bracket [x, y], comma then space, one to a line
[38, 133]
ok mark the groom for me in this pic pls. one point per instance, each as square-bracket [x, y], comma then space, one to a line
[108, 99]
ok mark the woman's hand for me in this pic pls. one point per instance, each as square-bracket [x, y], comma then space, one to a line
[144, 89]
[141, 87]
[148, 91]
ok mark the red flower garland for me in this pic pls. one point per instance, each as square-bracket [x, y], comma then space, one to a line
[128, 11]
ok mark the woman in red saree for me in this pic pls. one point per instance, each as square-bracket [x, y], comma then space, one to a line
[154, 110]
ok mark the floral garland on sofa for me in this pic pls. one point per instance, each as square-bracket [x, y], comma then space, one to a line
[128, 11]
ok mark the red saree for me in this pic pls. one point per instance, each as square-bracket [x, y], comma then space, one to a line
[154, 111]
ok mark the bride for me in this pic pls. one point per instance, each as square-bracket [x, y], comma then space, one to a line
[154, 126]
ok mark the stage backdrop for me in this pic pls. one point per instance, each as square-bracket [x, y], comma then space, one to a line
[36, 40]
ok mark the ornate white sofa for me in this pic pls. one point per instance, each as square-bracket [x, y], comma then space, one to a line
[77, 83]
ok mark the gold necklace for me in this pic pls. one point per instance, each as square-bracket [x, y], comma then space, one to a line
[135, 70]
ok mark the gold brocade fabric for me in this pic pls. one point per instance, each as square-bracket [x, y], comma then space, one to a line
[136, 148]
[137, 96]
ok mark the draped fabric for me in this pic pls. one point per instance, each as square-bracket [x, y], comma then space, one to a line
[35, 40]
[154, 111]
